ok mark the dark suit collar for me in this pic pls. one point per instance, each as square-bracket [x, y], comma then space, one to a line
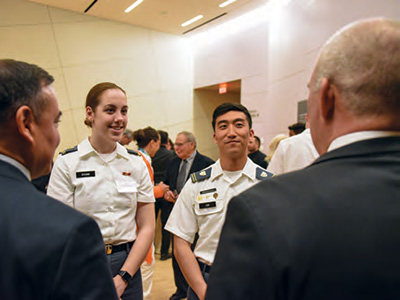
[8, 170]
[361, 148]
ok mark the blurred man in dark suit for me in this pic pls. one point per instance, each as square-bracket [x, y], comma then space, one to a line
[49, 250]
[329, 231]
[159, 164]
[187, 161]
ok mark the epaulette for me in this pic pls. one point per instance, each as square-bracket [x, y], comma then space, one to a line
[133, 152]
[201, 175]
[263, 174]
[69, 150]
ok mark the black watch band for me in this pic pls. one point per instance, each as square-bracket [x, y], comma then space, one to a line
[125, 276]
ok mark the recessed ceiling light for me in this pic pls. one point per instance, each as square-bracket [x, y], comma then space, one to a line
[133, 6]
[226, 3]
[192, 20]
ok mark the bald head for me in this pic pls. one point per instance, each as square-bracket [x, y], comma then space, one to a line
[363, 61]
[355, 85]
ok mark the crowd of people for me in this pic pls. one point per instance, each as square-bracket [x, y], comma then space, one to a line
[315, 218]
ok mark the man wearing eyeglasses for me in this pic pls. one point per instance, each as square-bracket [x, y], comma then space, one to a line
[187, 161]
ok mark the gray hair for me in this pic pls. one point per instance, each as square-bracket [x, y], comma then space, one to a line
[189, 137]
[363, 61]
[128, 133]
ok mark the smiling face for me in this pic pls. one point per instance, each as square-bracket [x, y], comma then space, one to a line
[108, 120]
[232, 133]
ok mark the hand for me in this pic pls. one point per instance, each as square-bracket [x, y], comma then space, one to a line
[164, 187]
[170, 196]
[120, 285]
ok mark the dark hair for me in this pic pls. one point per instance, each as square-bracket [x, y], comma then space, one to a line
[297, 127]
[145, 135]
[93, 97]
[258, 140]
[226, 107]
[164, 137]
[21, 84]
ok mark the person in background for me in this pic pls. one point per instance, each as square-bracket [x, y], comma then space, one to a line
[40, 236]
[127, 137]
[148, 142]
[201, 206]
[104, 180]
[294, 153]
[328, 231]
[159, 163]
[296, 128]
[170, 145]
[187, 161]
[254, 152]
[273, 145]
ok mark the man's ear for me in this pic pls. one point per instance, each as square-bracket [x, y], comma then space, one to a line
[251, 132]
[327, 99]
[25, 122]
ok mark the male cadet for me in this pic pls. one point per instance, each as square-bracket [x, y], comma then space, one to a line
[329, 231]
[201, 206]
[49, 250]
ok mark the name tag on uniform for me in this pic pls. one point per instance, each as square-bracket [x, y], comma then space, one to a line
[207, 204]
[126, 186]
[84, 174]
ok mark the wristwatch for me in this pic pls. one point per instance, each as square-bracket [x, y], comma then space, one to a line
[125, 275]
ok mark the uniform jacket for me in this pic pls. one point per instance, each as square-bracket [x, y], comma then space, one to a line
[49, 250]
[330, 231]
[171, 175]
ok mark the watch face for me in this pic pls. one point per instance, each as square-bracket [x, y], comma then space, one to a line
[125, 276]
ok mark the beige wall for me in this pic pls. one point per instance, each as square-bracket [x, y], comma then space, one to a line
[273, 51]
[79, 51]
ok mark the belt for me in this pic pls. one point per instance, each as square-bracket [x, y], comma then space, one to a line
[204, 267]
[110, 249]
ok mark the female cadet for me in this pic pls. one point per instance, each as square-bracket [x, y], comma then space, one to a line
[111, 184]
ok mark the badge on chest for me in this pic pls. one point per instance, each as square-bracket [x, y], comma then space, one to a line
[207, 198]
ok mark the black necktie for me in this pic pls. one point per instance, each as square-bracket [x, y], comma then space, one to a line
[180, 182]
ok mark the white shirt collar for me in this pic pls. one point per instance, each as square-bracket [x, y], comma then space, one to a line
[16, 164]
[248, 170]
[85, 148]
[359, 136]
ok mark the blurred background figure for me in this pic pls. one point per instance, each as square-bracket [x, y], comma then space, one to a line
[148, 141]
[294, 153]
[187, 161]
[126, 138]
[274, 144]
[254, 152]
[170, 145]
[159, 163]
[296, 128]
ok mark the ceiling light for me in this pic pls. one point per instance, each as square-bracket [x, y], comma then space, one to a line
[226, 3]
[192, 20]
[133, 6]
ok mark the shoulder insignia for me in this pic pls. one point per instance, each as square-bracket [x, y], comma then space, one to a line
[201, 175]
[263, 174]
[133, 152]
[69, 150]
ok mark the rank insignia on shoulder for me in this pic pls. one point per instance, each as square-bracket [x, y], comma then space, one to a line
[263, 174]
[69, 150]
[133, 152]
[201, 175]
